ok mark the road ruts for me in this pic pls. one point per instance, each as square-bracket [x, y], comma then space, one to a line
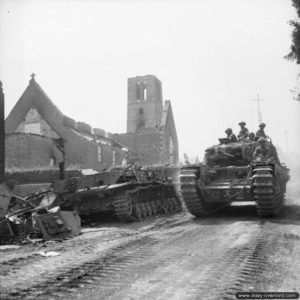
[220, 273]
[192, 259]
[235, 271]
[109, 269]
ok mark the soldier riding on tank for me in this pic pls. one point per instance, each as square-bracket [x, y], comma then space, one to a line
[263, 152]
[243, 134]
[260, 132]
[251, 136]
[230, 135]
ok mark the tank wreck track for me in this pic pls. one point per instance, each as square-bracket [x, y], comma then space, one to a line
[192, 199]
[268, 195]
[147, 201]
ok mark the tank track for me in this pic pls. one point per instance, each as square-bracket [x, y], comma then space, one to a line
[137, 204]
[193, 201]
[267, 194]
[123, 208]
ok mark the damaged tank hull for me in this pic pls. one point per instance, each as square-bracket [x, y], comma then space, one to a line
[131, 195]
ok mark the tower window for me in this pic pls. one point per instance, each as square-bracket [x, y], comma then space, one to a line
[141, 111]
[138, 91]
[99, 153]
[144, 91]
[114, 157]
[141, 91]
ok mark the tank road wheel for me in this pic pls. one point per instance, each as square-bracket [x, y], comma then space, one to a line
[144, 210]
[175, 204]
[154, 208]
[124, 207]
[268, 197]
[149, 209]
[178, 204]
[168, 204]
[172, 204]
[164, 206]
[159, 206]
[192, 200]
[138, 212]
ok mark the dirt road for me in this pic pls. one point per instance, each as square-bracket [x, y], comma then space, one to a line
[175, 257]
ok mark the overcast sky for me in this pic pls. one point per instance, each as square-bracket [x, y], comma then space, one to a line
[213, 58]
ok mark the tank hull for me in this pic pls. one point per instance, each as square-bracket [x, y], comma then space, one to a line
[130, 195]
[263, 184]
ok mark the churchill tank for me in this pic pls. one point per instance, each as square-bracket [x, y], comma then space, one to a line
[229, 173]
[131, 193]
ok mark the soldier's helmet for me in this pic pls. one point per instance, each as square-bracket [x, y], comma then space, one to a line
[262, 125]
[228, 130]
[251, 136]
[261, 140]
[242, 123]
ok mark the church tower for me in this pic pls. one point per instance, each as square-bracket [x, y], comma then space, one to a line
[145, 104]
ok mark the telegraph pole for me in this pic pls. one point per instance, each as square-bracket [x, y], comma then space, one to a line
[258, 100]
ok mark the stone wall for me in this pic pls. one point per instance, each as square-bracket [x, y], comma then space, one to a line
[27, 151]
[89, 154]
[145, 143]
[38, 175]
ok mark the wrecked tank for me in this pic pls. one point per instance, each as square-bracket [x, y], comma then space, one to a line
[230, 174]
[132, 193]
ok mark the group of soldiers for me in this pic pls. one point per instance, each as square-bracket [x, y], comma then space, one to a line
[262, 152]
[244, 134]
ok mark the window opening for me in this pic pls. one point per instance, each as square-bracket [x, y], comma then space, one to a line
[99, 153]
[114, 157]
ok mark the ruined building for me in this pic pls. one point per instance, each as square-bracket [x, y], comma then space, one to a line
[151, 130]
[39, 135]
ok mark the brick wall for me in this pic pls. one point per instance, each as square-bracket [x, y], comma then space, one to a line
[27, 151]
[83, 153]
[38, 176]
[145, 143]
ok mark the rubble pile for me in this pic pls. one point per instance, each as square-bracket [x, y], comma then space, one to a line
[31, 217]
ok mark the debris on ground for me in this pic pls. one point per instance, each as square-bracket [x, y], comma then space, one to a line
[50, 253]
[59, 224]
[9, 247]
[30, 219]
